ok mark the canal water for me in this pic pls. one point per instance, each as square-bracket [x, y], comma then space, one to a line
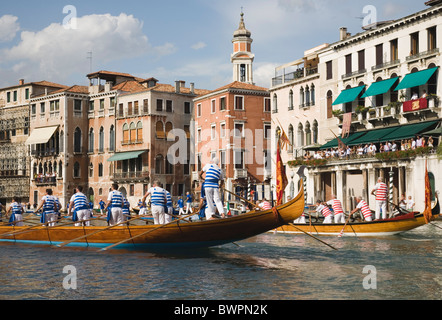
[267, 267]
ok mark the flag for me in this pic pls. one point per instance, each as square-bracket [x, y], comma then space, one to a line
[346, 124]
[281, 177]
[285, 141]
[427, 212]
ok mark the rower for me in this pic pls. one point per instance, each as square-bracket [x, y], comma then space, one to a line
[49, 208]
[115, 202]
[82, 212]
[17, 212]
[323, 209]
[337, 209]
[365, 209]
[213, 177]
[158, 199]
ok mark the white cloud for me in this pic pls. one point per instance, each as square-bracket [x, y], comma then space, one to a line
[8, 27]
[55, 52]
[199, 45]
[263, 74]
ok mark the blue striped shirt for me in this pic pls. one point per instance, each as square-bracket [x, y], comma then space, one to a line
[57, 205]
[49, 205]
[126, 207]
[16, 208]
[80, 201]
[213, 175]
[117, 199]
[158, 196]
[169, 199]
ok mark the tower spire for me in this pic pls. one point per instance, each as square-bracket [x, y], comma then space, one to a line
[242, 57]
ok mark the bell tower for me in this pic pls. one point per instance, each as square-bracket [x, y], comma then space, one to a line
[242, 57]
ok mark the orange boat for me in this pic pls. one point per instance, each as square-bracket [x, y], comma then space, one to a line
[386, 227]
[177, 234]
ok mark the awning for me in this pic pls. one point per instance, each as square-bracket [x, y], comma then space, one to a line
[374, 136]
[41, 135]
[408, 131]
[416, 79]
[334, 143]
[434, 132]
[380, 87]
[348, 95]
[126, 155]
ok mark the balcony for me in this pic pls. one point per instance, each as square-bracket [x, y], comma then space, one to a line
[240, 174]
[292, 76]
[132, 176]
[385, 65]
[422, 55]
[45, 181]
[354, 74]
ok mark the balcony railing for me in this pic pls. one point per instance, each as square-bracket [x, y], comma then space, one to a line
[240, 174]
[386, 65]
[354, 73]
[132, 175]
[422, 55]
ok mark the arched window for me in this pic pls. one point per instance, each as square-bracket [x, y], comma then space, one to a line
[160, 130]
[112, 138]
[432, 83]
[291, 137]
[312, 94]
[60, 169]
[140, 131]
[275, 103]
[300, 135]
[308, 134]
[61, 144]
[159, 164]
[126, 137]
[301, 98]
[291, 100]
[91, 141]
[77, 140]
[100, 169]
[329, 104]
[307, 96]
[315, 131]
[133, 132]
[379, 97]
[393, 93]
[101, 140]
[169, 128]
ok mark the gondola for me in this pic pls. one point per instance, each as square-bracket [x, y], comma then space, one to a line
[387, 227]
[175, 235]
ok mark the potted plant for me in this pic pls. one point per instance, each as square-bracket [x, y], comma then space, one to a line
[337, 112]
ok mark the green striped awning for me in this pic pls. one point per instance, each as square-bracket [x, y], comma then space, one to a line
[348, 95]
[416, 79]
[373, 136]
[380, 87]
[126, 155]
[334, 143]
[408, 131]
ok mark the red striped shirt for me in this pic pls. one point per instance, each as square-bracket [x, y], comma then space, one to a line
[337, 206]
[325, 211]
[365, 209]
[265, 205]
[381, 191]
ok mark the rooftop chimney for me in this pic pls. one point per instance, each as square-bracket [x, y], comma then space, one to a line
[192, 88]
[177, 87]
[21, 82]
[343, 33]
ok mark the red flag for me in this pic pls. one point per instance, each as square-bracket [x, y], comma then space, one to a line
[346, 124]
[281, 177]
[427, 212]
[285, 142]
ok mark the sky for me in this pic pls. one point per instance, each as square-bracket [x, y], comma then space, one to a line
[171, 40]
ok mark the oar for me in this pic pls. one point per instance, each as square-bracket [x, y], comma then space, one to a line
[16, 221]
[342, 231]
[312, 236]
[90, 234]
[244, 199]
[142, 234]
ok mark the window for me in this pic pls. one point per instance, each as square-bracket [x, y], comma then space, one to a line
[159, 161]
[91, 141]
[15, 96]
[101, 104]
[239, 103]
[112, 103]
[129, 109]
[291, 100]
[91, 105]
[361, 60]
[33, 109]
[169, 105]
[126, 136]
[222, 159]
[8, 97]
[414, 43]
[312, 95]
[77, 107]
[348, 68]
[169, 167]
[394, 50]
[160, 130]
[213, 106]
[61, 139]
[136, 108]
[187, 130]
[27, 93]
[169, 128]
[112, 138]
[267, 131]
[139, 131]
[213, 131]
[159, 105]
[301, 97]
[132, 132]
[291, 138]
[77, 140]
[432, 42]
[146, 106]
[222, 130]
[275, 103]
[329, 104]
[101, 140]
[222, 103]
[121, 110]
[329, 70]
[238, 159]
[187, 107]
[76, 170]
[198, 135]
[100, 170]
[307, 96]
[267, 105]
[308, 134]
[42, 108]
[379, 54]
[315, 131]
[239, 130]
[54, 106]
[91, 170]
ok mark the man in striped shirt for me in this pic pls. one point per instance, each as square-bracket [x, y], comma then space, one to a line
[380, 191]
[17, 211]
[115, 201]
[338, 212]
[325, 211]
[364, 208]
[80, 204]
[48, 205]
[158, 199]
[211, 187]
[169, 208]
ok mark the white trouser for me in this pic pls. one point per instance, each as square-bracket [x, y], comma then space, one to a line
[328, 219]
[301, 219]
[18, 217]
[142, 211]
[181, 211]
[368, 219]
[116, 216]
[212, 195]
[83, 215]
[168, 216]
[189, 207]
[381, 204]
[158, 214]
[339, 218]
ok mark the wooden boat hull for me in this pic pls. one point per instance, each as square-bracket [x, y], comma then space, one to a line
[386, 227]
[174, 235]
